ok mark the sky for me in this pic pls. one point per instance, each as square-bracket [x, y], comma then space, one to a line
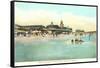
[76, 17]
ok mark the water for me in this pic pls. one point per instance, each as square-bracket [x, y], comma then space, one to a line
[55, 49]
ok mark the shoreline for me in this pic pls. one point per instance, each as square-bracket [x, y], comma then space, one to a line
[64, 38]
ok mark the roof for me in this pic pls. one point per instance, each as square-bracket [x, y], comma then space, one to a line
[52, 26]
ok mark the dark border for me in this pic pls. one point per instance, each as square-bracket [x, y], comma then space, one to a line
[12, 58]
[97, 33]
[12, 61]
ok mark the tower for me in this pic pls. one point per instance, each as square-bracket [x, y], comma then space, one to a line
[61, 24]
[51, 23]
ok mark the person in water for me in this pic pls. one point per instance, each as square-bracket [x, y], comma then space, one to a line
[72, 41]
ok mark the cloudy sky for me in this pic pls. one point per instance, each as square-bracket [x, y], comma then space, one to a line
[76, 17]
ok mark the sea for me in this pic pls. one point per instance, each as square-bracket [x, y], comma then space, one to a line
[55, 48]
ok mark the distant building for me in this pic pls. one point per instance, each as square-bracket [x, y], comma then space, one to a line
[34, 27]
[61, 24]
[16, 26]
[53, 26]
[51, 23]
[78, 30]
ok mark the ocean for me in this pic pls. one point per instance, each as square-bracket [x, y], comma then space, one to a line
[55, 49]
